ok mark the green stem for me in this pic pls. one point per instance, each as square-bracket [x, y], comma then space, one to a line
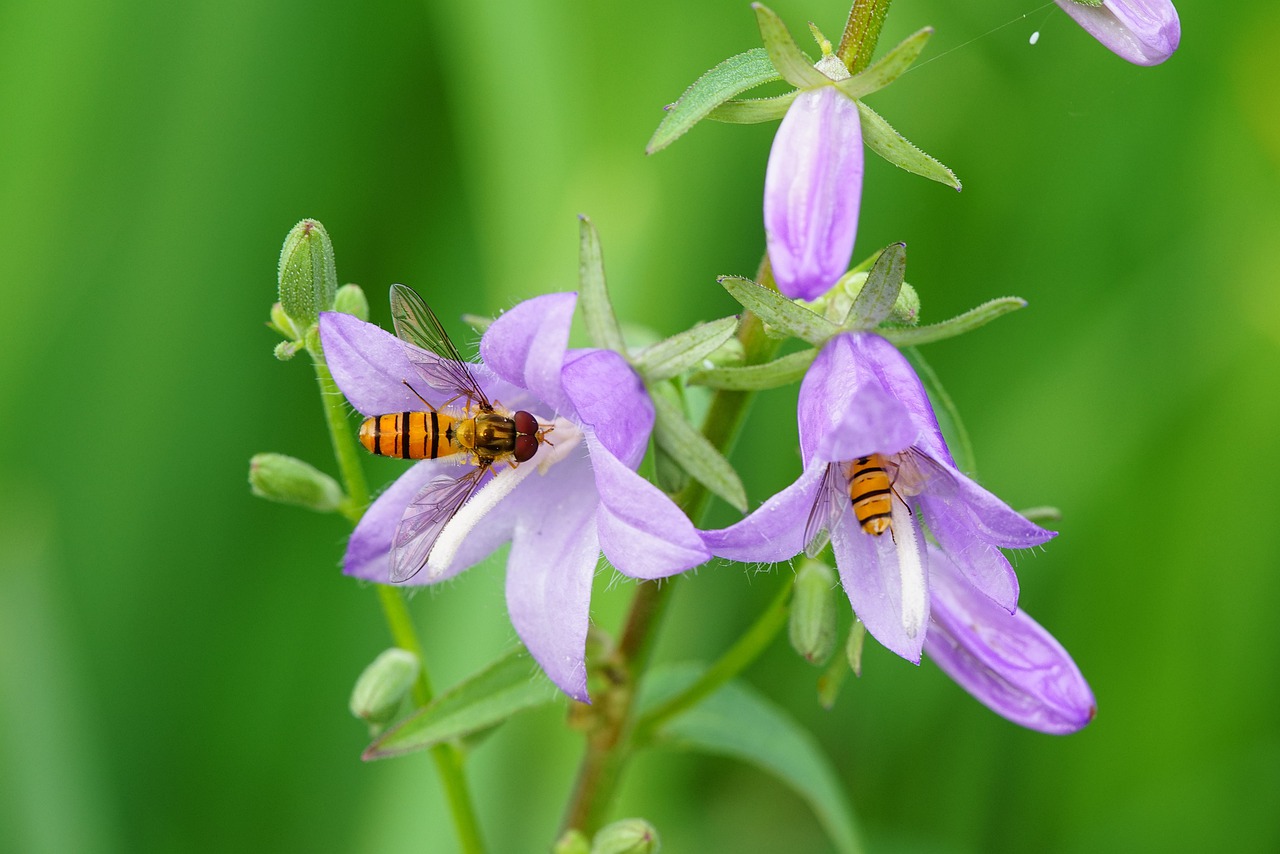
[861, 33]
[447, 758]
[736, 659]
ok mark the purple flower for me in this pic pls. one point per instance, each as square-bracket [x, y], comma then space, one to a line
[577, 496]
[1006, 661]
[860, 398]
[812, 191]
[1145, 32]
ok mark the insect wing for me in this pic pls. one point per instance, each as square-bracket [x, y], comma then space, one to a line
[445, 369]
[828, 505]
[424, 519]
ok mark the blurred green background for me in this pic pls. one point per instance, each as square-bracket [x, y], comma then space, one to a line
[176, 655]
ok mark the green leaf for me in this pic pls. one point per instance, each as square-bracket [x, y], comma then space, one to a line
[779, 372]
[892, 146]
[679, 353]
[735, 75]
[791, 62]
[739, 723]
[944, 408]
[879, 293]
[786, 317]
[597, 310]
[510, 685]
[958, 325]
[753, 110]
[692, 452]
[888, 69]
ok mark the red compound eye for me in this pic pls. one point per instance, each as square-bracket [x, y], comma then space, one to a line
[526, 447]
[526, 424]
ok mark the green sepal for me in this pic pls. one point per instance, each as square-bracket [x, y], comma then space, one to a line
[503, 689]
[811, 624]
[790, 61]
[735, 75]
[752, 111]
[307, 275]
[350, 299]
[689, 449]
[880, 292]
[739, 723]
[972, 319]
[627, 836]
[383, 686]
[775, 374]
[677, 354]
[593, 295]
[888, 68]
[281, 323]
[944, 409]
[786, 317]
[881, 138]
[288, 480]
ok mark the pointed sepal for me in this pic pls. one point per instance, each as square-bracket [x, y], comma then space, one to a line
[732, 77]
[881, 138]
[786, 56]
[675, 355]
[593, 296]
[783, 315]
[888, 68]
[689, 449]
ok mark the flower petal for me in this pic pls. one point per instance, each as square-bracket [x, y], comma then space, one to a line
[642, 532]
[526, 347]
[812, 192]
[1145, 32]
[775, 531]
[1006, 661]
[610, 399]
[896, 376]
[982, 564]
[886, 580]
[554, 551]
[950, 493]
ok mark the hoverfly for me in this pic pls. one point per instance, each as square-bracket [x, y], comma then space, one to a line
[870, 489]
[480, 431]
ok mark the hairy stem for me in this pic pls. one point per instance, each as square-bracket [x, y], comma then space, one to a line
[861, 33]
[447, 758]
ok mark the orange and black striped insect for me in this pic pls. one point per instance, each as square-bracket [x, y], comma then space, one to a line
[868, 488]
[479, 431]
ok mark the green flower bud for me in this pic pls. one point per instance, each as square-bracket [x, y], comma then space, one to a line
[853, 649]
[813, 611]
[350, 299]
[628, 836]
[573, 842]
[286, 350]
[383, 686]
[277, 477]
[727, 355]
[308, 278]
[281, 323]
[906, 309]
[835, 304]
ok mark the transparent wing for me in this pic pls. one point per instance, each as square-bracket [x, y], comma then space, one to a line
[828, 505]
[424, 519]
[417, 325]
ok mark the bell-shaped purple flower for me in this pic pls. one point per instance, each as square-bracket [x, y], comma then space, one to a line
[1006, 661]
[812, 192]
[862, 398]
[578, 496]
[1145, 32]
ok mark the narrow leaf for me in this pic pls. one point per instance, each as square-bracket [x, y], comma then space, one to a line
[597, 310]
[791, 62]
[510, 685]
[782, 314]
[892, 146]
[958, 325]
[693, 453]
[779, 372]
[735, 75]
[944, 409]
[753, 110]
[880, 292]
[739, 723]
[889, 67]
[680, 352]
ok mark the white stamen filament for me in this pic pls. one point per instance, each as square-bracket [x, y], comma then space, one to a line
[910, 568]
[566, 435]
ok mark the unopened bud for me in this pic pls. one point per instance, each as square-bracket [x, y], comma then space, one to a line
[628, 836]
[288, 480]
[350, 299]
[383, 686]
[853, 649]
[813, 611]
[308, 278]
[281, 323]
[835, 305]
[573, 842]
[286, 350]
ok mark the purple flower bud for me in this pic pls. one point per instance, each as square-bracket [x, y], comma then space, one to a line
[1145, 32]
[812, 192]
